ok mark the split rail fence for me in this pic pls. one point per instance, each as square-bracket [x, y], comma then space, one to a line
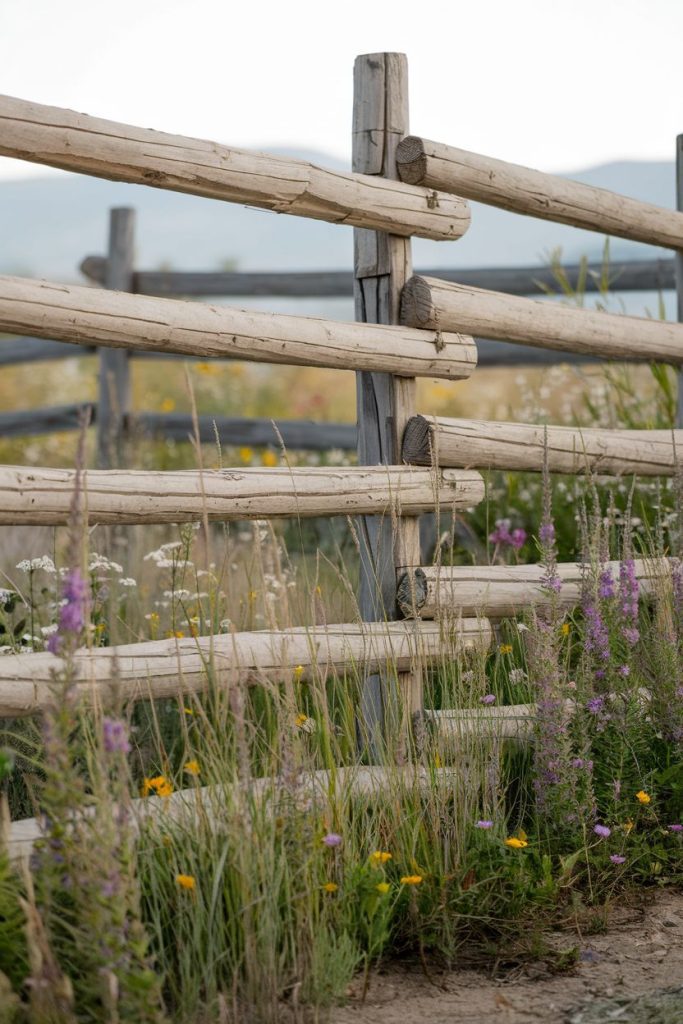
[407, 326]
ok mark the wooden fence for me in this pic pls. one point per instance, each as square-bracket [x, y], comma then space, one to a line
[406, 327]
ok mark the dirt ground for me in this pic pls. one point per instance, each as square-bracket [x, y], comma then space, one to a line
[640, 954]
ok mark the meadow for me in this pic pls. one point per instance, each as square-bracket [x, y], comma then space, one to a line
[228, 855]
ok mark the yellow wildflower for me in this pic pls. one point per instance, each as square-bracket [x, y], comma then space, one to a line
[186, 881]
[269, 458]
[628, 827]
[246, 454]
[564, 629]
[159, 785]
[411, 879]
[300, 720]
[515, 843]
[188, 711]
[379, 857]
[168, 405]
[209, 369]
[505, 648]
[330, 887]
[383, 888]
[192, 767]
[438, 763]
[643, 797]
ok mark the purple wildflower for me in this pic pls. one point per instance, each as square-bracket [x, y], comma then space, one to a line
[675, 828]
[518, 538]
[115, 736]
[628, 597]
[624, 670]
[501, 534]
[597, 635]
[484, 824]
[490, 698]
[332, 839]
[606, 585]
[602, 831]
[72, 614]
[595, 705]
[616, 858]
[546, 533]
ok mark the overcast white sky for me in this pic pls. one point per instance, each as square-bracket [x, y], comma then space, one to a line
[558, 86]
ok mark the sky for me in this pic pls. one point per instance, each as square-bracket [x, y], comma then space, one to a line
[557, 86]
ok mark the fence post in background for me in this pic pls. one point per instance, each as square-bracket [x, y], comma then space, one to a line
[113, 403]
[382, 264]
[679, 271]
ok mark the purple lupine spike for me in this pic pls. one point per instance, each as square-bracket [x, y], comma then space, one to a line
[73, 612]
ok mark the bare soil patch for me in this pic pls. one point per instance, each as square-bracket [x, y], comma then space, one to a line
[628, 973]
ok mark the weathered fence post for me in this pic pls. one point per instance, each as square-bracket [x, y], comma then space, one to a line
[679, 271]
[382, 264]
[113, 404]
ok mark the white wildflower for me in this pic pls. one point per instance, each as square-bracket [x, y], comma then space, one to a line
[32, 564]
[102, 562]
[127, 581]
[49, 630]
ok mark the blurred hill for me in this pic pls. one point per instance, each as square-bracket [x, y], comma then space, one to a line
[47, 225]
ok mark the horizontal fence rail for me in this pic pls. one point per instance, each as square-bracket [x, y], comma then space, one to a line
[485, 444]
[500, 591]
[121, 152]
[181, 666]
[45, 496]
[440, 305]
[121, 320]
[621, 276]
[535, 193]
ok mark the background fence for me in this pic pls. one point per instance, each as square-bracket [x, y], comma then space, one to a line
[407, 326]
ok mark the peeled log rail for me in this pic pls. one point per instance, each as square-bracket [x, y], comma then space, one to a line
[90, 316]
[440, 305]
[217, 805]
[536, 194]
[30, 496]
[170, 668]
[498, 591]
[121, 152]
[484, 444]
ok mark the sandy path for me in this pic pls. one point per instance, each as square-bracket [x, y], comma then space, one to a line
[641, 951]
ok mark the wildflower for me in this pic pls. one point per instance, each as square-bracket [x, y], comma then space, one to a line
[616, 858]
[298, 671]
[628, 827]
[186, 881]
[330, 887]
[602, 831]
[379, 857]
[518, 538]
[643, 797]
[159, 785]
[675, 828]
[546, 533]
[192, 767]
[168, 405]
[516, 844]
[246, 454]
[72, 614]
[188, 711]
[505, 648]
[269, 458]
[517, 675]
[411, 879]
[484, 824]
[606, 588]
[565, 629]
[332, 839]
[115, 736]
[31, 564]
[490, 698]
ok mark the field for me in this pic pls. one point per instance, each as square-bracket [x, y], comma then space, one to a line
[252, 869]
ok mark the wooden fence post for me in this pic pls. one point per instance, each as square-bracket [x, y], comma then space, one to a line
[382, 265]
[113, 404]
[679, 272]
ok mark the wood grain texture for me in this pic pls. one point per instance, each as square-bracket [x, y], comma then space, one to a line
[114, 391]
[485, 444]
[624, 276]
[382, 265]
[43, 496]
[90, 315]
[430, 303]
[498, 591]
[181, 666]
[523, 190]
[120, 152]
